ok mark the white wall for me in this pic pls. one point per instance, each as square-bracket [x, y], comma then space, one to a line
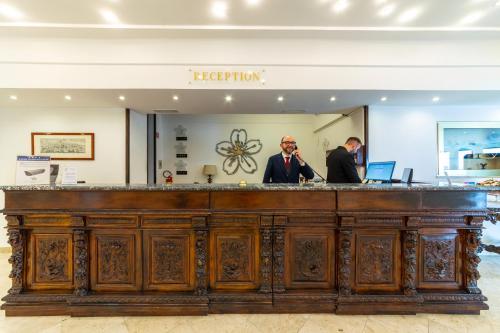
[290, 63]
[108, 125]
[205, 131]
[330, 137]
[408, 135]
[138, 148]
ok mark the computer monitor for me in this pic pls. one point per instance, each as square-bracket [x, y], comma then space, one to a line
[380, 171]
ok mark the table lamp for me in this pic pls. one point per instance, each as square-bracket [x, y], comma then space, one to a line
[209, 170]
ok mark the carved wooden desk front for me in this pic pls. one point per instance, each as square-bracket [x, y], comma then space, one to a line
[96, 251]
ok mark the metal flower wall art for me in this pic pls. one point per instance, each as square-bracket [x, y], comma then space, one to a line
[238, 151]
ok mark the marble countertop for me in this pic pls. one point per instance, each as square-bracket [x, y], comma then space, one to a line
[251, 187]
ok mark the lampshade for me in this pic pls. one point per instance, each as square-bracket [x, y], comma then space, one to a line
[209, 169]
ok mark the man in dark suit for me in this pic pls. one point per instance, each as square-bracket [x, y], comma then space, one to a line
[340, 163]
[286, 166]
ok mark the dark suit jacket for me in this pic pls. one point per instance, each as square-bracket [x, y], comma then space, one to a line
[276, 172]
[341, 167]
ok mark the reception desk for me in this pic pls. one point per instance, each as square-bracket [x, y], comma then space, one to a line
[199, 249]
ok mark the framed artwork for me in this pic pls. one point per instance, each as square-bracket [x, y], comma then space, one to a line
[469, 148]
[63, 146]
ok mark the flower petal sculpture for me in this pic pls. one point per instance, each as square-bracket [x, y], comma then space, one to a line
[238, 152]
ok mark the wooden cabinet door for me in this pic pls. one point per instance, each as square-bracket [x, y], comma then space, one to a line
[169, 260]
[115, 260]
[50, 260]
[378, 260]
[439, 259]
[310, 258]
[234, 247]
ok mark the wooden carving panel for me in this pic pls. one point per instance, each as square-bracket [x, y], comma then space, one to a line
[377, 260]
[51, 261]
[439, 260]
[115, 260]
[234, 259]
[310, 259]
[170, 260]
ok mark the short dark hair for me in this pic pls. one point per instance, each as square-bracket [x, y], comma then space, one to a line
[353, 138]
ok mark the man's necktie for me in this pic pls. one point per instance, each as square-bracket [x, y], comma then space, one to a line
[287, 163]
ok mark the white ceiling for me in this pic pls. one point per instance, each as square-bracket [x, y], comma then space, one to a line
[267, 15]
[269, 19]
[244, 101]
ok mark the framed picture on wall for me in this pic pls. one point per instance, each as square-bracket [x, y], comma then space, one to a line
[469, 148]
[63, 146]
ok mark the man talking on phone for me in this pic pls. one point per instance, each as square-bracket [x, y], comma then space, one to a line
[286, 166]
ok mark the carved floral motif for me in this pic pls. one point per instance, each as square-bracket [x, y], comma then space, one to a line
[309, 261]
[472, 260]
[52, 260]
[235, 260]
[375, 260]
[410, 262]
[114, 265]
[16, 241]
[201, 262]
[168, 260]
[439, 259]
[265, 260]
[345, 240]
[81, 263]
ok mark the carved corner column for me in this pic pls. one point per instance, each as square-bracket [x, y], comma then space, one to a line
[201, 255]
[345, 255]
[410, 262]
[17, 241]
[279, 254]
[266, 252]
[81, 262]
[472, 260]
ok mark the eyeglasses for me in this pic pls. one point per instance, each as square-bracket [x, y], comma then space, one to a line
[289, 142]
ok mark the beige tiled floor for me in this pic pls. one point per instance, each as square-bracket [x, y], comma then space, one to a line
[487, 322]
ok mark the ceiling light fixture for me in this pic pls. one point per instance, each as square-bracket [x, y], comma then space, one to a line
[253, 2]
[435, 99]
[409, 15]
[122, 98]
[219, 9]
[109, 16]
[383, 99]
[472, 17]
[386, 10]
[228, 98]
[340, 5]
[67, 97]
[13, 97]
[10, 12]
[175, 98]
[280, 99]
[333, 99]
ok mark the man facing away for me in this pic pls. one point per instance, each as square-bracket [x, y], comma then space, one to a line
[286, 166]
[341, 165]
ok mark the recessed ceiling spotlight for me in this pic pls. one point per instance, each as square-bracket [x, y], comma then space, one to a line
[280, 99]
[340, 5]
[386, 10]
[10, 12]
[175, 98]
[109, 16]
[13, 97]
[67, 97]
[472, 17]
[253, 2]
[435, 99]
[219, 9]
[122, 98]
[383, 99]
[333, 99]
[228, 98]
[409, 15]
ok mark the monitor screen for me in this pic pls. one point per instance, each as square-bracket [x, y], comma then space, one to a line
[380, 171]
